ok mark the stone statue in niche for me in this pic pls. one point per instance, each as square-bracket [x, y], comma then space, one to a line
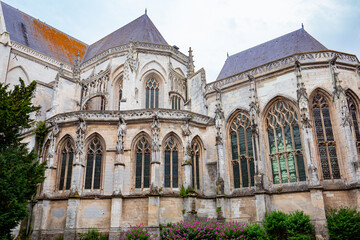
[121, 131]
[155, 130]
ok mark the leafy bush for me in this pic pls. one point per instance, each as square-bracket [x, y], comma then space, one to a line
[208, 229]
[343, 223]
[275, 225]
[92, 234]
[293, 226]
[137, 232]
[255, 232]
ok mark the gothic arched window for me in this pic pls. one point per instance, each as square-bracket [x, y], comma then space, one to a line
[171, 165]
[152, 93]
[195, 157]
[93, 165]
[325, 138]
[66, 162]
[143, 159]
[242, 152]
[355, 119]
[175, 102]
[285, 143]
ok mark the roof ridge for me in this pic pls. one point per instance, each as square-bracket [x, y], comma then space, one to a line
[44, 23]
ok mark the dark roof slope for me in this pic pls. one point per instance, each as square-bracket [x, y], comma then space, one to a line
[141, 29]
[295, 42]
[41, 37]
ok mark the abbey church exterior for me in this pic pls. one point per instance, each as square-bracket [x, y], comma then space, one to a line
[131, 121]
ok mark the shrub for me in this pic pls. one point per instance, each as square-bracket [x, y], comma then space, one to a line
[137, 232]
[343, 223]
[299, 226]
[275, 225]
[209, 229]
[255, 232]
[92, 234]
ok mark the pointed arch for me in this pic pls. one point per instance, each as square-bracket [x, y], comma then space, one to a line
[95, 154]
[15, 73]
[153, 66]
[197, 153]
[141, 148]
[321, 108]
[353, 105]
[282, 124]
[239, 136]
[172, 152]
[66, 154]
[96, 101]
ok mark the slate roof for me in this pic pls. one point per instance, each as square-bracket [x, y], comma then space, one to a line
[41, 37]
[295, 42]
[141, 29]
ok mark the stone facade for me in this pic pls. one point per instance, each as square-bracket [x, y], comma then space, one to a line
[101, 173]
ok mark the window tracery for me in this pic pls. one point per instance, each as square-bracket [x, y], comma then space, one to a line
[171, 164]
[325, 138]
[285, 147]
[175, 102]
[93, 165]
[195, 157]
[66, 163]
[354, 112]
[152, 93]
[242, 152]
[143, 159]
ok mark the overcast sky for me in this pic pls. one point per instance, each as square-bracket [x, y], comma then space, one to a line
[212, 28]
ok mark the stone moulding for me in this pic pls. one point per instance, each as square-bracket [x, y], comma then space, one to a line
[137, 46]
[309, 57]
[44, 59]
[141, 114]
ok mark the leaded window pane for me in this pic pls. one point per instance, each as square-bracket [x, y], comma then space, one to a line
[138, 169]
[242, 151]
[325, 138]
[175, 169]
[147, 169]
[195, 165]
[152, 94]
[89, 170]
[197, 172]
[93, 165]
[285, 143]
[69, 170]
[62, 172]
[167, 167]
[142, 168]
[171, 164]
[355, 120]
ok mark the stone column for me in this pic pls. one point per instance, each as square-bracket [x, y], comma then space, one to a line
[187, 154]
[307, 132]
[339, 97]
[319, 217]
[115, 218]
[155, 155]
[71, 218]
[48, 185]
[78, 166]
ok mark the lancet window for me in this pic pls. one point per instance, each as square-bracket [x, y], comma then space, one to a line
[355, 119]
[285, 147]
[175, 102]
[242, 152]
[195, 165]
[325, 138]
[152, 93]
[93, 165]
[143, 159]
[171, 173]
[66, 162]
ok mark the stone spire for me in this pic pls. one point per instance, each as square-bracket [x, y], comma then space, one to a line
[76, 68]
[191, 67]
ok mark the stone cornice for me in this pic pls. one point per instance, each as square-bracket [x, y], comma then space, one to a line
[305, 58]
[40, 58]
[131, 115]
[139, 47]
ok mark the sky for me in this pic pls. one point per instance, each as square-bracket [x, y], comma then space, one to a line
[212, 28]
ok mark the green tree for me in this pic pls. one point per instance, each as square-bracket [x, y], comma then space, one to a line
[20, 172]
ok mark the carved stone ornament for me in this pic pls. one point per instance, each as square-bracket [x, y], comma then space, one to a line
[346, 120]
[186, 127]
[313, 174]
[80, 134]
[51, 150]
[302, 98]
[76, 68]
[130, 63]
[220, 186]
[219, 118]
[191, 67]
[121, 132]
[336, 83]
[155, 131]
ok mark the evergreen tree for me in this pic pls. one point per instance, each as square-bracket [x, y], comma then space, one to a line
[20, 172]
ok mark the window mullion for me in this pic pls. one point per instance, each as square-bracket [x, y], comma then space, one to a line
[294, 152]
[239, 157]
[285, 153]
[277, 155]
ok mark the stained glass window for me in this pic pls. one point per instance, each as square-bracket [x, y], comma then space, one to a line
[66, 162]
[93, 165]
[195, 158]
[242, 152]
[175, 102]
[152, 93]
[325, 138]
[171, 164]
[355, 119]
[285, 147]
[143, 159]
